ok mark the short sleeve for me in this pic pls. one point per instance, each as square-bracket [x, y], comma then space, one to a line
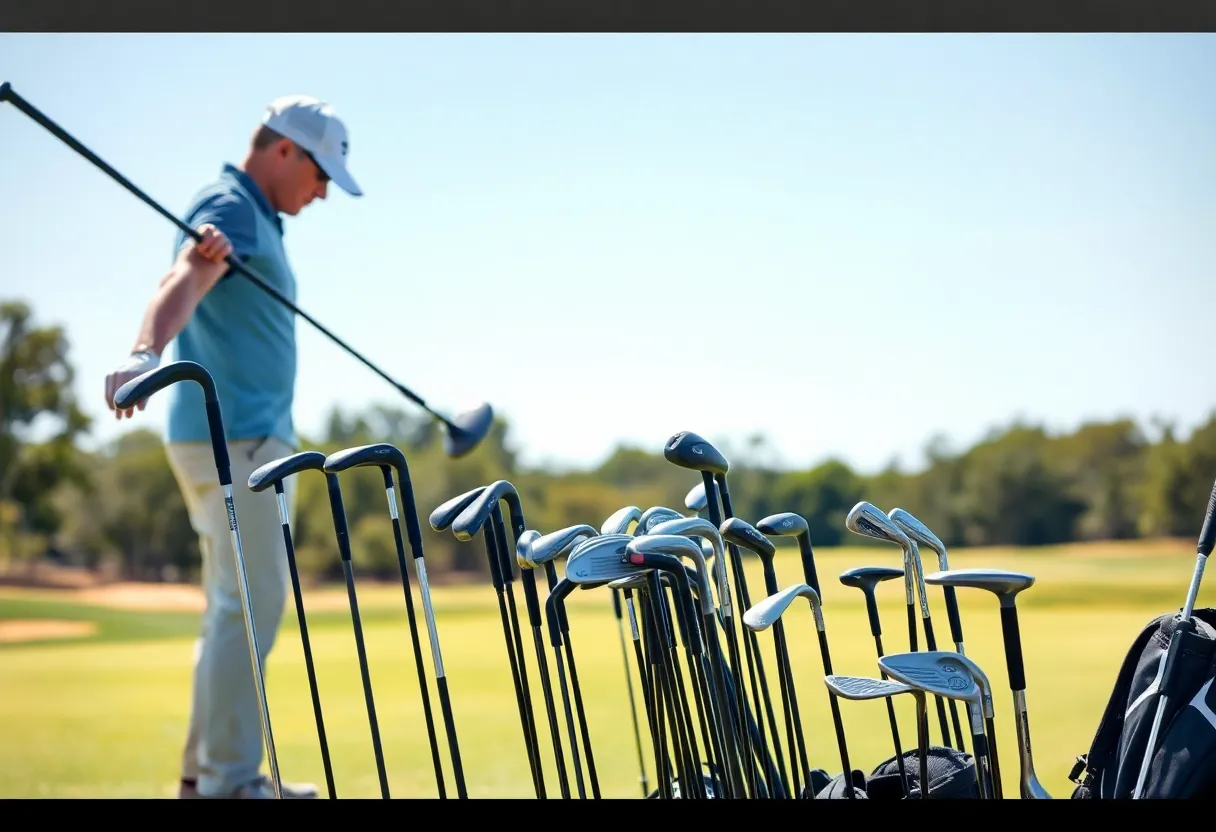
[232, 215]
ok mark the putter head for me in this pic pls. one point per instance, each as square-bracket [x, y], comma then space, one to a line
[866, 578]
[469, 522]
[765, 613]
[618, 522]
[378, 454]
[463, 433]
[688, 450]
[861, 688]
[938, 672]
[868, 520]
[743, 534]
[545, 548]
[277, 470]
[787, 524]
[600, 559]
[695, 499]
[446, 513]
[1001, 582]
[919, 532]
[653, 516]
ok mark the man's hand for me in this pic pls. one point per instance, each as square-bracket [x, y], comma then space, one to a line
[215, 246]
[192, 276]
[136, 365]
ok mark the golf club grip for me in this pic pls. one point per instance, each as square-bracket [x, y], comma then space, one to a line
[1207, 535]
[339, 515]
[956, 623]
[616, 604]
[1013, 648]
[531, 599]
[219, 443]
[808, 563]
[487, 532]
[413, 530]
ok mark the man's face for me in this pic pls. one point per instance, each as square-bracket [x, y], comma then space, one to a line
[301, 180]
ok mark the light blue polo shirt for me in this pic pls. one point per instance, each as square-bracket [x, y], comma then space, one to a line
[244, 337]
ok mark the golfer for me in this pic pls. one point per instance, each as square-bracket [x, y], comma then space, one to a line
[246, 339]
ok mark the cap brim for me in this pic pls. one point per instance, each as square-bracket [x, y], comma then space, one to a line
[339, 175]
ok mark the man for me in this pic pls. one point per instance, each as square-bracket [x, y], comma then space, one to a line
[246, 339]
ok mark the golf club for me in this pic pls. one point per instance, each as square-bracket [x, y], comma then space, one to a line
[861, 688]
[273, 473]
[388, 458]
[1005, 586]
[140, 389]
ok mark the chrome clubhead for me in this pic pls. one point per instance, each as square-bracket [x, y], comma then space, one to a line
[765, 613]
[600, 559]
[859, 688]
[1001, 582]
[653, 516]
[618, 522]
[937, 672]
[695, 499]
[868, 520]
[919, 532]
[543, 549]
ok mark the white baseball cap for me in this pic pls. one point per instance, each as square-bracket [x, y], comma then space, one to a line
[314, 126]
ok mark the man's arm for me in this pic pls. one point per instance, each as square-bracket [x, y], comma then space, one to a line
[226, 224]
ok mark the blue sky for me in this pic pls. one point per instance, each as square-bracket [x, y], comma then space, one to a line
[849, 243]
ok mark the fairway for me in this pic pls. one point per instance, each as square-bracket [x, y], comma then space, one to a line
[101, 710]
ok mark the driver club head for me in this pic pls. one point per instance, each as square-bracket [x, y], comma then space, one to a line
[464, 432]
[688, 450]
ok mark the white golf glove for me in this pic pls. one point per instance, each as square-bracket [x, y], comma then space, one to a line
[136, 364]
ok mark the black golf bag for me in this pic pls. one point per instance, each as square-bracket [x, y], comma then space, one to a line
[1184, 762]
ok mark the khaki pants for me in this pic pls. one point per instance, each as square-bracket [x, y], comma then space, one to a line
[224, 745]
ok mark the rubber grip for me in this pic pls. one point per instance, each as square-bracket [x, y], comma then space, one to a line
[219, 443]
[413, 529]
[1207, 535]
[956, 623]
[339, 515]
[808, 563]
[528, 576]
[500, 540]
[1013, 648]
[616, 603]
[872, 612]
[492, 556]
[552, 619]
[146, 385]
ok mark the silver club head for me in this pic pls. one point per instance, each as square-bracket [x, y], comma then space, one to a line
[868, 520]
[1003, 583]
[618, 522]
[628, 582]
[695, 499]
[690, 527]
[600, 559]
[653, 516]
[765, 613]
[549, 547]
[859, 688]
[919, 532]
[937, 672]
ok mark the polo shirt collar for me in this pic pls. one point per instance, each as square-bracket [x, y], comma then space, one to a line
[249, 185]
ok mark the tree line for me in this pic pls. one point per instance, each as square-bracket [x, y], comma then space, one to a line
[119, 508]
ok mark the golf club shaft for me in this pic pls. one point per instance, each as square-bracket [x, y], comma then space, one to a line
[899, 752]
[633, 708]
[308, 662]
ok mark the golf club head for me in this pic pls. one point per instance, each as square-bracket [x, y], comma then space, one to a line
[981, 679]
[378, 454]
[868, 520]
[1001, 582]
[469, 522]
[463, 433]
[695, 499]
[144, 386]
[618, 522]
[600, 559]
[787, 524]
[743, 534]
[277, 470]
[653, 516]
[937, 672]
[690, 527]
[628, 582]
[919, 532]
[765, 613]
[861, 688]
[674, 545]
[447, 512]
[524, 544]
[688, 450]
[545, 548]
[866, 578]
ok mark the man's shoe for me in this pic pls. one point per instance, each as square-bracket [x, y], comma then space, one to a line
[259, 789]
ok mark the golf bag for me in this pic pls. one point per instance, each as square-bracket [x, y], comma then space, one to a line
[951, 777]
[1184, 764]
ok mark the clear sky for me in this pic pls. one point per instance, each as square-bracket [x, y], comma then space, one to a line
[850, 243]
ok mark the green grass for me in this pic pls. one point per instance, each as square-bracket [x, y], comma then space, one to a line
[105, 715]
